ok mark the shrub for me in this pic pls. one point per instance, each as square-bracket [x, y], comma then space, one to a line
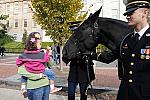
[17, 47]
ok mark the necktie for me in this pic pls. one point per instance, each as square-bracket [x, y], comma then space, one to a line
[136, 36]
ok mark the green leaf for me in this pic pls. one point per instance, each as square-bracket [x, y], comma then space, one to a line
[54, 15]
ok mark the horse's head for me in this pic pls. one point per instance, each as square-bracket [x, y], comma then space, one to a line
[82, 40]
[85, 35]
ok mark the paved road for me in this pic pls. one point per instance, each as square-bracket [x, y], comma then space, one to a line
[106, 78]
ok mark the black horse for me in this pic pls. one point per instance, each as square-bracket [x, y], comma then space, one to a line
[93, 31]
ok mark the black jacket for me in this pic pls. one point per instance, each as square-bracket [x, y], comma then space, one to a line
[79, 71]
[135, 57]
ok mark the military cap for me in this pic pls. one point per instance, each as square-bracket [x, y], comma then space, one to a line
[133, 5]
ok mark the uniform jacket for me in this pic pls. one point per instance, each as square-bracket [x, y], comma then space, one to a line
[135, 57]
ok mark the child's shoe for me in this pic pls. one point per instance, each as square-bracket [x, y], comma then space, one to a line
[24, 93]
[55, 89]
[24, 90]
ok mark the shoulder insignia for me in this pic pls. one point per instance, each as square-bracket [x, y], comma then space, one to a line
[125, 46]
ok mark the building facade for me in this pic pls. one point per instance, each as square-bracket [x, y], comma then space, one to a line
[20, 14]
[110, 8]
[20, 18]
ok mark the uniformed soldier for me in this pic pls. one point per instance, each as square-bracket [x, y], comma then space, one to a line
[79, 72]
[134, 53]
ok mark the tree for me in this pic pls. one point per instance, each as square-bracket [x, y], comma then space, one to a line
[4, 38]
[3, 17]
[24, 36]
[54, 15]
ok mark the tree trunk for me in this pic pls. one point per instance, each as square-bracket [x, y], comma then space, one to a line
[61, 62]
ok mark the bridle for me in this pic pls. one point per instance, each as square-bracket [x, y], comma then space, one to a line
[92, 32]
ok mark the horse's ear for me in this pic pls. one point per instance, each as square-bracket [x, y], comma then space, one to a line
[94, 16]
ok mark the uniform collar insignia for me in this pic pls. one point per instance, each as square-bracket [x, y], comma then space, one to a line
[148, 34]
[147, 47]
[125, 46]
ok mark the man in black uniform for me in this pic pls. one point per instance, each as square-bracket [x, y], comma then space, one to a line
[81, 70]
[78, 74]
[134, 53]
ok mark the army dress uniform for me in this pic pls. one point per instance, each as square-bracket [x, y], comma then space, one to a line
[135, 60]
[135, 56]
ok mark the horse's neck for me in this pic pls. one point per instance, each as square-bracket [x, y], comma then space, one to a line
[114, 30]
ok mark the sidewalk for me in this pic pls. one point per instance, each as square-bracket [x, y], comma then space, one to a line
[10, 89]
[11, 94]
[106, 82]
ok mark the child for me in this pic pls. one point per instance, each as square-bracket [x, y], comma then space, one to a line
[35, 61]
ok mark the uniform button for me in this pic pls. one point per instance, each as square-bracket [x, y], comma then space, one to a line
[123, 53]
[132, 63]
[130, 81]
[133, 55]
[130, 72]
[142, 56]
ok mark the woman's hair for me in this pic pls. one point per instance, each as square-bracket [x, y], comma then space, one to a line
[31, 41]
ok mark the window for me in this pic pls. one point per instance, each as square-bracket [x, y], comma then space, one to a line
[115, 13]
[25, 8]
[16, 23]
[34, 24]
[25, 23]
[1, 9]
[16, 9]
[8, 9]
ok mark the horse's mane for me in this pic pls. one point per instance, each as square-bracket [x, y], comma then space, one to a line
[108, 22]
[114, 29]
[113, 20]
